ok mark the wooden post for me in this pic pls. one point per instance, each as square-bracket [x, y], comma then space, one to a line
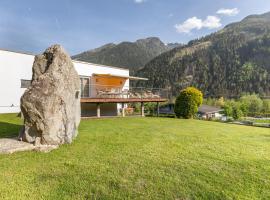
[98, 110]
[123, 110]
[142, 109]
[157, 109]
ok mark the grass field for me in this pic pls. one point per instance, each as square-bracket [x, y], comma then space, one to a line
[142, 158]
[261, 121]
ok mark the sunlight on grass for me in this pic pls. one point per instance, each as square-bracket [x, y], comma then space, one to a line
[143, 158]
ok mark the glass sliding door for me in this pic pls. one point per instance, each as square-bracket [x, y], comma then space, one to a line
[85, 86]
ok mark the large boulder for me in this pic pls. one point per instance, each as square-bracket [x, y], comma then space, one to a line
[51, 105]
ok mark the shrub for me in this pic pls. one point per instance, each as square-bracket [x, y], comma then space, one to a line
[187, 103]
[234, 109]
[220, 102]
[228, 108]
[253, 103]
[209, 101]
[237, 113]
[266, 106]
[150, 108]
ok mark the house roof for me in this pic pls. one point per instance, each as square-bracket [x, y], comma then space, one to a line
[77, 61]
[121, 76]
[208, 109]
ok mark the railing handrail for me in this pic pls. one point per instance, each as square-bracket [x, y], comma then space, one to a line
[112, 91]
[113, 86]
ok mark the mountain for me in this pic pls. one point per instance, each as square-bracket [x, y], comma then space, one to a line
[229, 62]
[132, 55]
[174, 45]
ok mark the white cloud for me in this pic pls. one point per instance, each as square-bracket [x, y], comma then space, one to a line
[228, 12]
[211, 22]
[139, 1]
[188, 25]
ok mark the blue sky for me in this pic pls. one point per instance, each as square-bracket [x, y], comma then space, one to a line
[33, 25]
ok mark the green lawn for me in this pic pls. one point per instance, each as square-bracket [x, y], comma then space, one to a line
[143, 158]
[261, 121]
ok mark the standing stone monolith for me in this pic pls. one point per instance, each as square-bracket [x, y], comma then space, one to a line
[51, 105]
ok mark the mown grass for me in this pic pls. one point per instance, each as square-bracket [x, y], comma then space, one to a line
[9, 125]
[261, 120]
[143, 158]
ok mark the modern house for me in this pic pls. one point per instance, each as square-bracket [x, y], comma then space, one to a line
[105, 90]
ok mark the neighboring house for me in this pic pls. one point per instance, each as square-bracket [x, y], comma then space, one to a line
[210, 112]
[204, 111]
[105, 90]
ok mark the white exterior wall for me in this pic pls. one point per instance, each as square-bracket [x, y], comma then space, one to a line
[88, 69]
[218, 115]
[16, 66]
[13, 68]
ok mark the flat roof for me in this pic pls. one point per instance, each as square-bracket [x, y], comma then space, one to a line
[76, 61]
[120, 76]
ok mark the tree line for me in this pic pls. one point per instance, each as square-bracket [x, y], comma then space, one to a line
[248, 105]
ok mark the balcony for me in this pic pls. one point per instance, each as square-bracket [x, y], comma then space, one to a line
[96, 93]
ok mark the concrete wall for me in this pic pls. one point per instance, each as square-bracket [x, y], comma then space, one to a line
[16, 66]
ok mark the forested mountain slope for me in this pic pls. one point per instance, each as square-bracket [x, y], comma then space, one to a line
[226, 63]
[133, 55]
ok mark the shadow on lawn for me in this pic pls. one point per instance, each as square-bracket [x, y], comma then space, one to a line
[8, 130]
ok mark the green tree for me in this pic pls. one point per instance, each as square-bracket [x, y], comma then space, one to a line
[220, 102]
[253, 103]
[209, 101]
[236, 111]
[266, 106]
[228, 109]
[187, 103]
[244, 108]
[150, 108]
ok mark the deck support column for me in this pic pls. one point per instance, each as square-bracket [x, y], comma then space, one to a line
[123, 110]
[98, 110]
[142, 109]
[157, 109]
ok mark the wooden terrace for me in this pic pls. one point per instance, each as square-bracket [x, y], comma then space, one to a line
[107, 88]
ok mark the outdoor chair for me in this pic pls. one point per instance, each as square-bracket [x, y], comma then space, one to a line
[101, 93]
[126, 93]
[135, 95]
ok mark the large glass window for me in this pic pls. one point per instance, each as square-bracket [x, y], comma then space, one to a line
[25, 83]
[85, 87]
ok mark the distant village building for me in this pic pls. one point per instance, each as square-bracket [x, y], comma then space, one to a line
[210, 112]
[204, 111]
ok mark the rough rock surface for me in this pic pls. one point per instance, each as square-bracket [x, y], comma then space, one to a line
[51, 105]
[12, 145]
[9, 145]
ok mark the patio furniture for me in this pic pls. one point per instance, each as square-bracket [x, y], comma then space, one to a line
[126, 93]
[100, 93]
[150, 94]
